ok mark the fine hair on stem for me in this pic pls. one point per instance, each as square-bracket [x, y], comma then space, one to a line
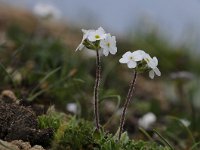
[127, 101]
[96, 89]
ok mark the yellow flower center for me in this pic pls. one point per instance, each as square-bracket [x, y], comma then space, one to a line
[131, 58]
[108, 44]
[97, 36]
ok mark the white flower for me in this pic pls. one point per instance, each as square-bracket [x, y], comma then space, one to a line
[108, 45]
[147, 120]
[17, 77]
[46, 11]
[185, 122]
[96, 35]
[131, 58]
[85, 36]
[92, 36]
[152, 63]
[72, 107]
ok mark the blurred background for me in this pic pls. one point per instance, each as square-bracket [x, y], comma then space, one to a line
[39, 65]
[177, 19]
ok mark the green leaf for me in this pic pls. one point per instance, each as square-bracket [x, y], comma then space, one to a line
[185, 127]
[164, 141]
[44, 79]
[124, 138]
[145, 133]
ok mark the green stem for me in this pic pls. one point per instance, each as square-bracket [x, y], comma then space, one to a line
[128, 99]
[96, 90]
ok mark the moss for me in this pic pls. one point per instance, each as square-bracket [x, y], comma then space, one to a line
[79, 134]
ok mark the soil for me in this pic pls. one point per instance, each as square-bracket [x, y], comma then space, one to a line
[20, 123]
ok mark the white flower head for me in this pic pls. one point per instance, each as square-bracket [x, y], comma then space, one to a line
[147, 120]
[92, 36]
[131, 58]
[72, 107]
[96, 35]
[98, 40]
[108, 45]
[152, 63]
[185, 122]
[140, 56]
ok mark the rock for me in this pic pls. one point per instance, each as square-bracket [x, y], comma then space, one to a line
[7, 96]
[37, 147]
[20, 123]
[21, 145]
[18, 145]
[6, 146]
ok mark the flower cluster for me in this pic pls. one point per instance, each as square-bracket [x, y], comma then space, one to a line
[98, 40]
[141, 61]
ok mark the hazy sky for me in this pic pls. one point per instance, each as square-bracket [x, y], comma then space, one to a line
[176, 17]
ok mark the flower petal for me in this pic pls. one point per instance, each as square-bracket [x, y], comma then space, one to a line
[141, 52]
[155, 60]
[100, 29]
[151, 64]
[80, 47]
[127, 55]
[157, 71]
[123, 60]
[132, 64]
[151, 74]
[113, 50]
[105, 52]
[137, 55]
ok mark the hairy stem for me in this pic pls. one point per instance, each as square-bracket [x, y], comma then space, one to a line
[128, 99]
[96, 89]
